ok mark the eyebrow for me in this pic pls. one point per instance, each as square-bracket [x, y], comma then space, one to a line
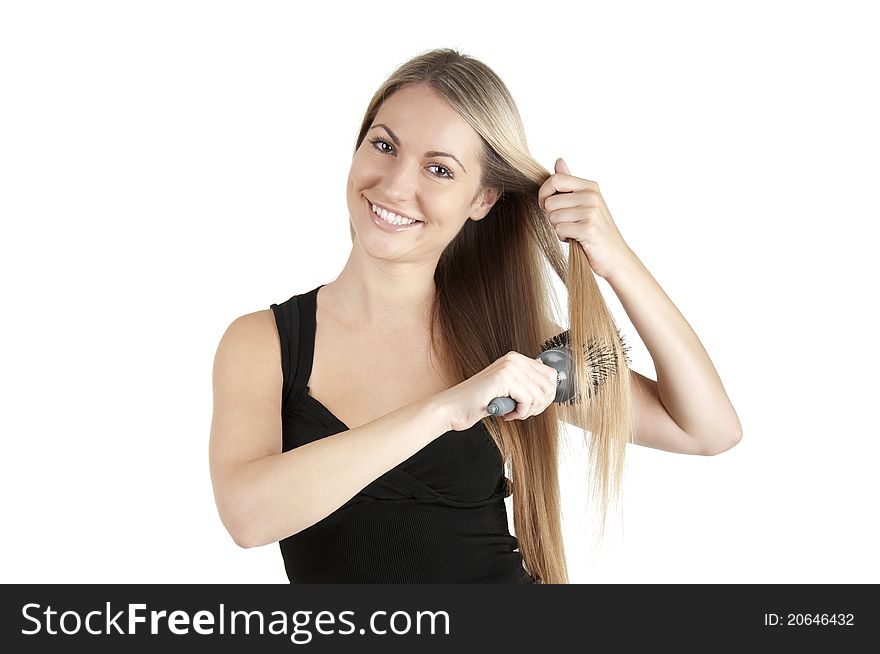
[429, 153]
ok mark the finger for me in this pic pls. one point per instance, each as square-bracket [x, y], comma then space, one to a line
[562, 183]
[545, 372]
[521, 411]
[523, 399]
[562, 167]
[552, 377]
[551, 387]
[571, 230]
[582, 198]
[525, 408]
[570, 215]
[544, 379]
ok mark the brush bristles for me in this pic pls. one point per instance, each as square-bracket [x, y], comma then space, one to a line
[600, 360]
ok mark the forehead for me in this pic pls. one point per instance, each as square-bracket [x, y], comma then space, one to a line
[425, 121]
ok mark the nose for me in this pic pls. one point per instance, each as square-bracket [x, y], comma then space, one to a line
[400, 180]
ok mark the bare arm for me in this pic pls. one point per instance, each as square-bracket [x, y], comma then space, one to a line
[264, 495]
[276, 496]
[687, 385]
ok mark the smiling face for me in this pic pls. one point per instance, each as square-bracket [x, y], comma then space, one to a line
[422, 163]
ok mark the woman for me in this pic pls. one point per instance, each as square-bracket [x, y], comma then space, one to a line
[350, 422]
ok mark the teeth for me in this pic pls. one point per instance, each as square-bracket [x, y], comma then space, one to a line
[392, 218]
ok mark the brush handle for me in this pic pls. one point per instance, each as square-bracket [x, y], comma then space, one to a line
[501, 406]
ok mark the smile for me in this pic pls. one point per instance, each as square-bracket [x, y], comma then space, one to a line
[389, 219]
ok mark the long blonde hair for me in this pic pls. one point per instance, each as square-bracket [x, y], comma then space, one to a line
[494, 294]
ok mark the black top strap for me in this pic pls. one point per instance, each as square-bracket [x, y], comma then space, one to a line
[287, 322]
[295, 320]
[308, 303]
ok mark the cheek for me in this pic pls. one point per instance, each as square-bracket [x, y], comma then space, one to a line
[363, 171]
[448, 209]
[356, 181]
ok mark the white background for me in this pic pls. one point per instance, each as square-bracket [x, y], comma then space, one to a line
[166, 167]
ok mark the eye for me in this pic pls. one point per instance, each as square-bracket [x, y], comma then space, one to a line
[448, 174]
[378, 142]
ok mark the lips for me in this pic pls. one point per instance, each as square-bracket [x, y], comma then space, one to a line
[388, 227]
[370, 203]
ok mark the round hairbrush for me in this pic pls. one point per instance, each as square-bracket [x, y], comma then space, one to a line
[556, 352]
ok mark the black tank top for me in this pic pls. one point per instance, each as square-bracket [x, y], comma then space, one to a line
[438, 517]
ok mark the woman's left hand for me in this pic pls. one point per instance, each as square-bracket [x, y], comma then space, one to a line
[578, 212]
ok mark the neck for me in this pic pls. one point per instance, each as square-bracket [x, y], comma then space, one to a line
[377, 294]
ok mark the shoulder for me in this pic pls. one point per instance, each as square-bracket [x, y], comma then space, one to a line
[253, 336]
[253, 326]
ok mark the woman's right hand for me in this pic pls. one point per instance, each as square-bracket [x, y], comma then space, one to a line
[529, 382]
